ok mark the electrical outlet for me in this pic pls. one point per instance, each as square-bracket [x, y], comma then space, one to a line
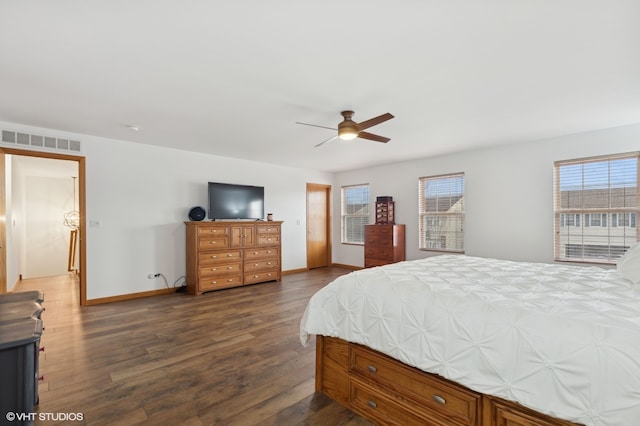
[152, 276]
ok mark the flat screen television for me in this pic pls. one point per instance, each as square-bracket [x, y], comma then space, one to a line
[229, 201]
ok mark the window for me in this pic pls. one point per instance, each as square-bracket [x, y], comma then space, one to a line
[604, 191]
[355, 213]
[441, 212]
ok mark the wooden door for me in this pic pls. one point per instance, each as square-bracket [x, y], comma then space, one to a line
[318, 225]
[3, 229]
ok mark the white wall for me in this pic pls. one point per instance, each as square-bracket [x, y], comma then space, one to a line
[508, 191]
[141, 195]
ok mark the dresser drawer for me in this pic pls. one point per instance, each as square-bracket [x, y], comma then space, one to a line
[261, 265]
[208, 243]
[268, 239]
[204, 231]
[258, 277]
[211, 258]
[214, 283]
[261, 253]
[219, 269]
[268, 229]
[378, 232]
[379, 252]
[435, 393]
[371, 263]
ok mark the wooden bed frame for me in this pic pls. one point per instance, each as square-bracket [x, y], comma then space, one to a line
[386, 391]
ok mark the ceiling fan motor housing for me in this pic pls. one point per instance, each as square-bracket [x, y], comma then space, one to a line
[348, 129]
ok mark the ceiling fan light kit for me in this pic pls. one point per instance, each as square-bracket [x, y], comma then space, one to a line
[347, 133]
[349, 129]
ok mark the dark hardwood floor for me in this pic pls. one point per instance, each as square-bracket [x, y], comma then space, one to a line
[231, 357]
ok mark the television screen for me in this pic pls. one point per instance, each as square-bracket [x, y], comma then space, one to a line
[229, 201]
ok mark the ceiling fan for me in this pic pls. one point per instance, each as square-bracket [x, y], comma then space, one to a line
[349, 129]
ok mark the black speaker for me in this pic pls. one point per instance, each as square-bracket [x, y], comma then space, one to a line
[197, 214]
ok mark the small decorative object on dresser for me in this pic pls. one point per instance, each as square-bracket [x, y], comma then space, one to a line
[383, 244]
[230, 254]
[384, 211]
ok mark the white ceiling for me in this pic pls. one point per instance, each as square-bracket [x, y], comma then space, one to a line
[232, 78]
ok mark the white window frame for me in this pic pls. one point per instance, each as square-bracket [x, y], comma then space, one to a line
[446, 209]
[604, 191]
[354, 219]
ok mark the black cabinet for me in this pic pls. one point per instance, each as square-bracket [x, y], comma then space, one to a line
[20, 332]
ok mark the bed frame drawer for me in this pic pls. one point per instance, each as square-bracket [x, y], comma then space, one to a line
[386, 408]
[454, 403]
[386, 391]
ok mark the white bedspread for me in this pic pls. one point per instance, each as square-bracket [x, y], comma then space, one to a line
[563, 340]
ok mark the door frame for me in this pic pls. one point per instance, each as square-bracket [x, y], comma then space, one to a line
[82, 252]
[327, 215]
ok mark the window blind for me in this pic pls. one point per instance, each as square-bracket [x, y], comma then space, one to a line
[355, 213]
[596, 207]
[441, 212]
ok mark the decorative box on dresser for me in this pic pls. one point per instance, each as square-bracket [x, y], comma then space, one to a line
[383, 244]
[230, 254]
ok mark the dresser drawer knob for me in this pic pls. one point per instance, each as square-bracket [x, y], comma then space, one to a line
[439, 399]
[229, 254]
[372, 369]
[372, 404]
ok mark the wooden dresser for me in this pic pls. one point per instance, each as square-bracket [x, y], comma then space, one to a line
[383, 244]
[230, 254]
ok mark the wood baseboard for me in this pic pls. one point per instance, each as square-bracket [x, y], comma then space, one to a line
[295, 271]
[122, 297]
[151, 293]
[341, 265]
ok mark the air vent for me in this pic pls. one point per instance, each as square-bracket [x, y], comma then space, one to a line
[37, 141]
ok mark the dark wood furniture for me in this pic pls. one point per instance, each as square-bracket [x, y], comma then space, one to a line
[386, 391]
[230, 254]
[383, 244]
[20, 333]
[385, 214]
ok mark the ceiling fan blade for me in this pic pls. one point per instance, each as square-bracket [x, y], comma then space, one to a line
[315, 125]
[372, 137]
[325, 141]
[373, 121]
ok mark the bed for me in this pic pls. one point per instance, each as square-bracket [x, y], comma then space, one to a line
[562, 342]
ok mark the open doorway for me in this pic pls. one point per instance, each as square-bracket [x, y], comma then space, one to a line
[44, 230]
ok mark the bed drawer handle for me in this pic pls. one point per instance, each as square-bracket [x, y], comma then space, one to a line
[372, 369]
[439, 399]
[372, 404]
